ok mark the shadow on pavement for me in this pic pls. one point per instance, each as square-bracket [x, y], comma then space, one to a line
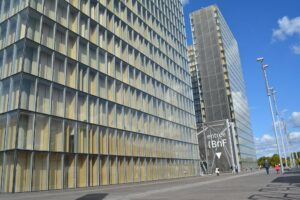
[97, 196]
[287, 179]
[283, 187]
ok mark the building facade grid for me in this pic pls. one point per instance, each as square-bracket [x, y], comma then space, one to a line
[93, 93]
[222, 84]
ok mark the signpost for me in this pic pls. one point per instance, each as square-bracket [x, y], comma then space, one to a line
[217, 146]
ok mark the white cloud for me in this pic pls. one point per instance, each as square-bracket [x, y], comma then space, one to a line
[287, 27]
[295, 119]
[265, 145]
[296, 49]
[184, 2]
[267, 138]
[294, 136]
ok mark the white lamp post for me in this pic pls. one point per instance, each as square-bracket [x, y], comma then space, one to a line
[264, 68]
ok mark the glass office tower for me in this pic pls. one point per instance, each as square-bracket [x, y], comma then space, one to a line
[93, 92]
[196, 86]
[222, 83]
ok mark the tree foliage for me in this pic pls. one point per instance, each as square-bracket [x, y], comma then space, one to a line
[273, 160]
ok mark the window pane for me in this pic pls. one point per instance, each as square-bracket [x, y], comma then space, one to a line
[57, 101]
[81, 171]
[93, 83]
[61, 13]
[102, 112]
[73, 17]
[59, 71]
[45, 65]
[18, 60]
[93, 110]
[121, 170]
[43, 98]
[39, 172]
[102, 86]
[113, 170]
[30, 60]
[103, 141]
[4, 92]
[60, 40]
[8, 172]
[119, 92]
[93, 138]
[83, 28]
[3, 29]
[83, 53]
[104, 171]
[82, 107]
[102, 61]
[56, 135]
[93, 170]
[27, 93]
[14, 93]
[82, 138]
[69, 171]
[33, 27]
[47, 34]
[70, 104]
[72, 49]
[69, 136]
[55, 171]
[111, 113]
[71, 74]
[93, 58]
[25, 135]
[22, 183]
[11, 131]
[37, 4]
[12, 30]
[41, 139]
[111, 89]
[1, 168]
[49, 8]
[119, 117]
[82, 79]
[112, 141]
[2, 131]
[1, 63]
[120, 141]
[129, 170]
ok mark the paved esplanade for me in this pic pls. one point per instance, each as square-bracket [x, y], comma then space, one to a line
[258, 186]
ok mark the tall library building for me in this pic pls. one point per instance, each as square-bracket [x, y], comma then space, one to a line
[94, 92]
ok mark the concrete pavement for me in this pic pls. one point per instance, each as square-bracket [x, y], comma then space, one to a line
[255, 186]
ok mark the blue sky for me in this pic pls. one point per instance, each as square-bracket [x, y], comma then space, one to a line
[268, 28]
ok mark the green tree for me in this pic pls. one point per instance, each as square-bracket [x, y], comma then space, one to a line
[274, 160]
[261, 160]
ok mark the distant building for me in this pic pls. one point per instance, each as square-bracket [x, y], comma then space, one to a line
[217, 76]
[94, 92]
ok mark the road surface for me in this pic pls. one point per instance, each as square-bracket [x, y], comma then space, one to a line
[255, 186]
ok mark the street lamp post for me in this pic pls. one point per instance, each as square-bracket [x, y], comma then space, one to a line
[264, 68]
[278, 118]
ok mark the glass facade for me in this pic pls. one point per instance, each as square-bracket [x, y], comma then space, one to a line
[196, 87]
[94, 92]
[221, 79]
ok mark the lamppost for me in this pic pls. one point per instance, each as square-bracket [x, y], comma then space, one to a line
[279, 123]
[264, 69]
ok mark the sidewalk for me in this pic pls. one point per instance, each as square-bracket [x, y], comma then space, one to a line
[286, 187]
[293, 171]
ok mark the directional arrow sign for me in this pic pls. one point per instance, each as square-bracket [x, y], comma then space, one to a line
[218, 154]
